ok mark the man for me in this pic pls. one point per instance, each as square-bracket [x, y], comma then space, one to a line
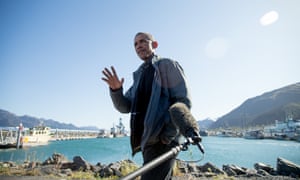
[158, 83]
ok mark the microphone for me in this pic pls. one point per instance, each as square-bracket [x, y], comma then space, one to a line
[186, 123]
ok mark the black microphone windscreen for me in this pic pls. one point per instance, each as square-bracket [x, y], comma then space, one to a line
[183, 119]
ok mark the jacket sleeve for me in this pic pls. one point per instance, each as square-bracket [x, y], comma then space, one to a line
[121, 102]
[176, 83]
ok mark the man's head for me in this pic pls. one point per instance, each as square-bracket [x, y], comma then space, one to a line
[144, 45]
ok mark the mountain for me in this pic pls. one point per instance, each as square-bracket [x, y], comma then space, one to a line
[205, 124]
[8, 119]
[264, 109]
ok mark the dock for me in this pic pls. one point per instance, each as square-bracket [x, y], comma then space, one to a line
[70, 134]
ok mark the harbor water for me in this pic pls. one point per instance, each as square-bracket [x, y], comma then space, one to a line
[218, 151]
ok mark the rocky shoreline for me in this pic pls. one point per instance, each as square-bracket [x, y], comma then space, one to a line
[57, 167]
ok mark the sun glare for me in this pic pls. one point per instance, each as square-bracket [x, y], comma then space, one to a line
[269, 18]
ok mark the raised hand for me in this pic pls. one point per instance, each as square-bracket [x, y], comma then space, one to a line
[112, 79]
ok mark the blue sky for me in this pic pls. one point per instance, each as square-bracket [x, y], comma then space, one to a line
[52, 53]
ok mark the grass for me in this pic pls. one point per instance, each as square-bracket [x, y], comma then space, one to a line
[5, 170]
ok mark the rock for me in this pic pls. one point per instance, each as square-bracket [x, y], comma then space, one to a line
[67, 165]
[9, 164]
[263, 172]
[265, 167]
[233, 170]
[55, 159]
[182, 166]
[5, 165]
[208, 167]
[252, 173]
[67, 172]
[287, 168]
[96, 168]
[80, 164]
[208, 174]
[192, 168]
[115, 167]
[229, 171]
[184, 177]
[48, 170]
[32, 164]
[106, 172]
[238, 170]
[58, 158]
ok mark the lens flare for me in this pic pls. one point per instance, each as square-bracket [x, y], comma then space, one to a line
[269, 18]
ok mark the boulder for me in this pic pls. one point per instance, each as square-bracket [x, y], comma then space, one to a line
[233, 168]
[56, 158]
[67, 165]
[106, 172]
[265, 168]
[263, 172]
[48, 170]
[209, 167]
[66, 172]
[287, 168]
[79, 163]
[227, 169]
[192, 168]
[116, 168]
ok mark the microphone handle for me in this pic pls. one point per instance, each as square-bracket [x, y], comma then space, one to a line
[200, 147]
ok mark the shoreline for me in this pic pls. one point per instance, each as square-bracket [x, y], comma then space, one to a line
[58, 166]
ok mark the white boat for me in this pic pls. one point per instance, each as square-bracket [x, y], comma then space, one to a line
[288, 129]
[39, 135]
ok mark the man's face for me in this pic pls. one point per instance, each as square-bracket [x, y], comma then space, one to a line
[143, 46]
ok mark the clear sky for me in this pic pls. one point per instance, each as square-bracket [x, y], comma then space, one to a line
[52, 52]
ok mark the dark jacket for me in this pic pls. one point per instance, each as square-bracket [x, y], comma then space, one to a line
[169, 86]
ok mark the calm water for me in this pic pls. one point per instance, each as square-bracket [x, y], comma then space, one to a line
[218, 151]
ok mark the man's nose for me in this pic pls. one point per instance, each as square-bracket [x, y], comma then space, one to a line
[138, 46]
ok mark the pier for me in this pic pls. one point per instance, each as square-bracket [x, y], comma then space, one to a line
[17, 137]
[71, 134]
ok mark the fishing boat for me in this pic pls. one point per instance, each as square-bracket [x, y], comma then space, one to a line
[39, 135]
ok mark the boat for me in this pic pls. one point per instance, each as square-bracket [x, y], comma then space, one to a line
[104, 134]
[115, 132]
[226, 133]
[284, 130]
[254, 134]
[39, 135]
[118, 130]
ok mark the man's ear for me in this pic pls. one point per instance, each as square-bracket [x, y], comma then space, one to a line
[154, 44]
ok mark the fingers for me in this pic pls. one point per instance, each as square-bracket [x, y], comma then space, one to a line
[111, 78]
[106, 72]
[113, 70]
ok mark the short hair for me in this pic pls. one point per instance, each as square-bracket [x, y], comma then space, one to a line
[148, 35]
